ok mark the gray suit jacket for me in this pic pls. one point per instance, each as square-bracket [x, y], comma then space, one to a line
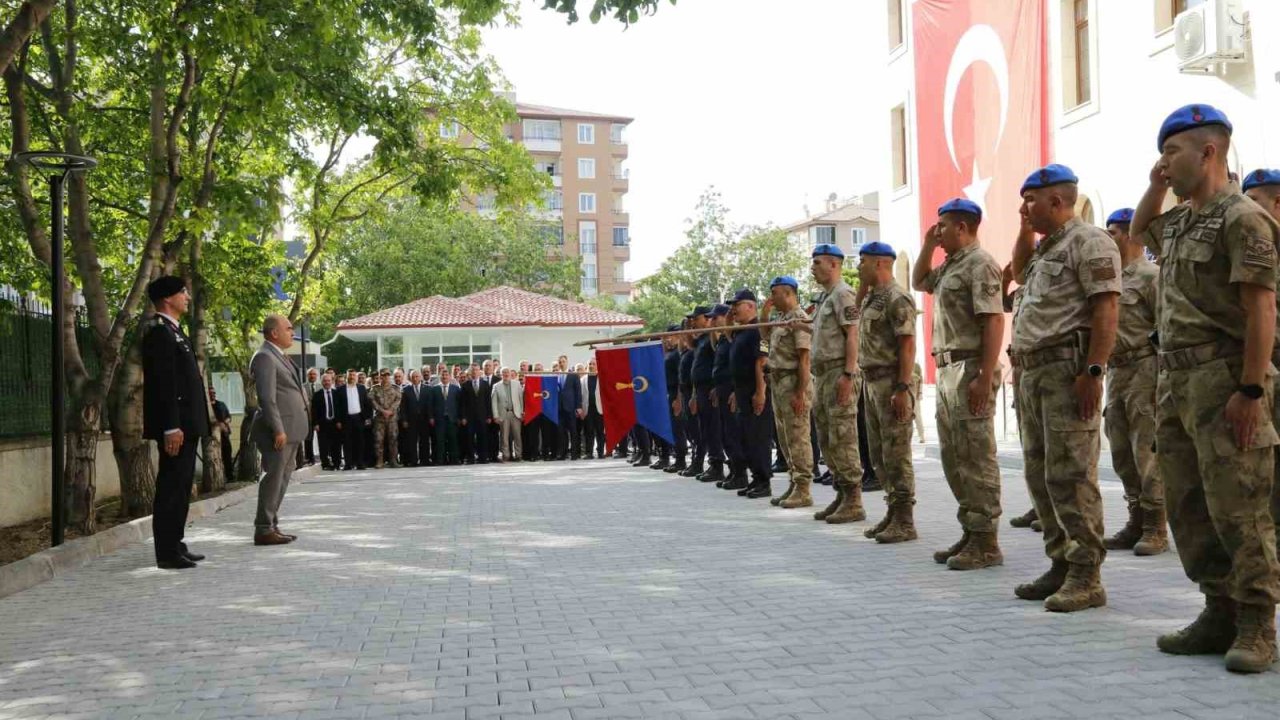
[282, 406]
[499, 399]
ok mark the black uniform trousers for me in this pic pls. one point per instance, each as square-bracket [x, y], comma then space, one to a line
[681, 445]
[730, 428]
[755, 434]
[864, 450]
[330, 444]
[353, 441]
[709, 425]
[173, 498]
[548, 437]
[593, 433]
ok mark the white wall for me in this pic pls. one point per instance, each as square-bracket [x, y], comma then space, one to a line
[509, 345]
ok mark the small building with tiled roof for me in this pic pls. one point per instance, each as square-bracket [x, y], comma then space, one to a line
[505, 323]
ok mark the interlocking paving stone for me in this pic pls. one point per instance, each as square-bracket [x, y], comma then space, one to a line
[595, 590]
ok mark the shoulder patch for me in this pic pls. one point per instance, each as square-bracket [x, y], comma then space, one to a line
[990, 289]
[1259, 251]
[850, 313]
[1101, 269]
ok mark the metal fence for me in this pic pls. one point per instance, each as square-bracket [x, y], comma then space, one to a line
[26, 351]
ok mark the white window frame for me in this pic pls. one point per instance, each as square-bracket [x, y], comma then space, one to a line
[857, 237]
[587, 203]
[450, 130]
[586, 168]
[588, 237]
[589, 137]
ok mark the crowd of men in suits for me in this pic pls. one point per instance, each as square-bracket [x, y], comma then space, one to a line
[450, 415]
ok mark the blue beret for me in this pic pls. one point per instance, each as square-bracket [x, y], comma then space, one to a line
[1190, 117]
[828, 249]
[877, 249]
[1261, 177]
[960, 205]
[744, 295]
[785, 280]
[1123, 216]
[1048, 176]
[720, 310]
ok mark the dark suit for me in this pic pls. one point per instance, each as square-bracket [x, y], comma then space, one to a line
[222, 414]
[495, 427]
[570, 403]
[324, 415]
[173, 398]
[593, 423]
[475, 410]
[444, 412]
[353, 426]
[415, 428]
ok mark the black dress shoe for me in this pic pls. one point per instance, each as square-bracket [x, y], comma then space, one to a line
[870, 483]
[715, 473]
[779, 466]
[661, 464]
[193, 557]
[643, 461]
[735, 484]
[758, 490]
[692, 471]
[175, 563]
[678, 466]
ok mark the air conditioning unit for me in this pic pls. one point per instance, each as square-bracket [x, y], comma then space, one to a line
[1208, 34]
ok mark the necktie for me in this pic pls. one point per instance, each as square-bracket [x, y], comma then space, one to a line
[328, 404]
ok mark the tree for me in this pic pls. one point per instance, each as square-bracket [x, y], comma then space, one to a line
[625, 11]
[24, 23]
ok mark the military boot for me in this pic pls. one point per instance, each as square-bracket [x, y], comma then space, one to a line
[1130, 533]
[1045, 585]
[663, 463]
[791, 486]
[1081, 591]
[983, 551]
[1155, 534]
[798, 497]
[693, 470]
[902, 525]
[736, 481]
[1025, 519]
[870, 533]
[715, 473]
[850, 509]
[1255, 647]
[758, 489]
[676, 467]
[1211, 633]
[828, 510]
[942, 556]
[1037, 525]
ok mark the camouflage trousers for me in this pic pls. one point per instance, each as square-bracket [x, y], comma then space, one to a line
[838, 424]
[1060, 454]
[385, 433]
[968, 447]
[889, 440]
[793, 429]
[1217, 496]
[1130, 419]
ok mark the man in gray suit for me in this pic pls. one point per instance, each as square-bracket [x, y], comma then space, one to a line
[279, 427]
[508, 412]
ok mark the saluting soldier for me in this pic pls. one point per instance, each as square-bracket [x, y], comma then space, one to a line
[1130, 415]
[887, 358]
[1063, 335]
[386, 397]
[837, 384]
[1263, 187]
[750, 398]
[968, 329]
[791, 383]
[175, 413]
[1214, 433]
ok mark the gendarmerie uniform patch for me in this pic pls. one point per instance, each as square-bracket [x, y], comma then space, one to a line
[850, 313]
[1101, 269]
[990, 289]
[1259, 251]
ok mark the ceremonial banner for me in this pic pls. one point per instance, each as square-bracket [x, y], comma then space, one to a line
[542, 397]
[633, 389]
[982, 114]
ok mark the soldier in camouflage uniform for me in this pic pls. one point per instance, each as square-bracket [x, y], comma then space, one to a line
[1130, 414]
[968, 328]
[1214, 430]
[791, 383]
[1263, 187]
[385, 397]
[1063, 335]
[837, 383]
[890, 380]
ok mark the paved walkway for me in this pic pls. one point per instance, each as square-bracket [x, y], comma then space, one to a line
[593, 590]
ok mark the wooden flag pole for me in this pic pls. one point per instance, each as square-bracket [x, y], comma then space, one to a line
[677, 333]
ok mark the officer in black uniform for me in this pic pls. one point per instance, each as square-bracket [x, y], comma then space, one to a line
[705, 411]
[175, 413]
[722, 373]
[691, 429]
[751, 397]
[671, 363]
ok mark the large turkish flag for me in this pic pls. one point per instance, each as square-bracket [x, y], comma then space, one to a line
[982, 113]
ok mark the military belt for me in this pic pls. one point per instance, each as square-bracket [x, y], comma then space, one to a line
[1130, 357]
[879, 373]
[1036, 358]
[1196, 355]
[823, 366]
[949, 357]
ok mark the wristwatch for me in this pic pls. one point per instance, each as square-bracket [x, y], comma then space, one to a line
[901, 387]
[1096, 370]
[1253, 392]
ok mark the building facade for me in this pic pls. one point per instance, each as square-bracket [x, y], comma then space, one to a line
[980, 93]
[847, 223]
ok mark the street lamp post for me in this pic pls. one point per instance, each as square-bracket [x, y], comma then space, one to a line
[58, 166]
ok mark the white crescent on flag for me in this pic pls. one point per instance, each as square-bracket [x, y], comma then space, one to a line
[980, 43]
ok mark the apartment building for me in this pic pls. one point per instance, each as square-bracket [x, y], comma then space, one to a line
[848, 223]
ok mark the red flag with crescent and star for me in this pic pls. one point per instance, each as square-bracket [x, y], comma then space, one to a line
[982, 114]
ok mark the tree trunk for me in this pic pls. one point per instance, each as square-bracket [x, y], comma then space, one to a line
[250, 467]
[80, 467]
[132, 452]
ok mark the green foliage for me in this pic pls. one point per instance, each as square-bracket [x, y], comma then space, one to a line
[625, 11]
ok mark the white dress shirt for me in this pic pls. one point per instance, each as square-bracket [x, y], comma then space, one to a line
[353, 400]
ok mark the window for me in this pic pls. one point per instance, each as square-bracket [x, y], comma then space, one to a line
[615, 134]
[541, 130]
[550, 167]
[487, 201]
[1167, 10]
[586, 134]
[586, 168]
[857, 236]
[587, 237]
[590, 283]
[621, 237]
[449, 129]
[898, 134]
[897, 25]
[553, 234]
[586, 202]
[822, 234]
[620, 272]
[555, 200]
[1081, 17]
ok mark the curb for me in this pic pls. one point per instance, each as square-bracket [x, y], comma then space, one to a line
[57, 561]
[1011, 461]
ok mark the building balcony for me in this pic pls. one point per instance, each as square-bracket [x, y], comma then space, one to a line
[622, 253]
[621, 216]
[622, 181]
[542, 144]
[618, 149]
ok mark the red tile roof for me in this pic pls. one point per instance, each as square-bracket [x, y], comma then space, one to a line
[497, 307]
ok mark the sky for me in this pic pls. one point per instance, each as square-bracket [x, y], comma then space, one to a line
[775, 103]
